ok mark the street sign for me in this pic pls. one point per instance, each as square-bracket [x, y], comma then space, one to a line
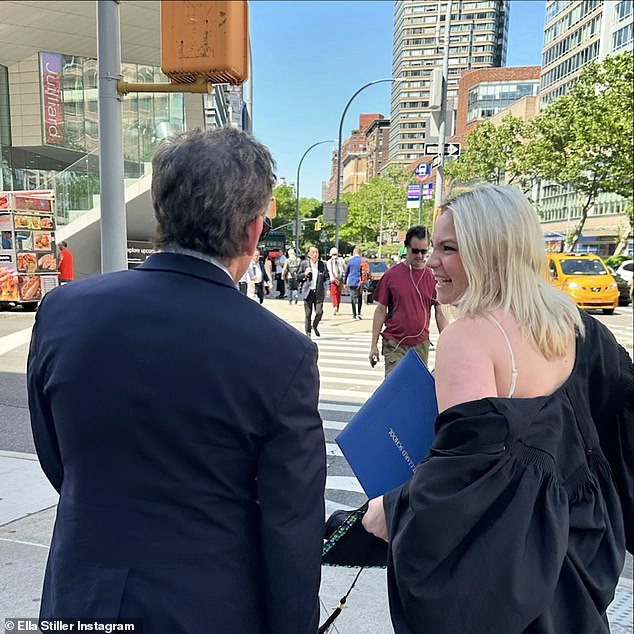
[422, 171]
[323, 237]
[427, 191]
[413, 196]
[436, 161]
[451, 149]
[329, 213]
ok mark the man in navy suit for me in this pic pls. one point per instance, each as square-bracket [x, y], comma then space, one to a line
[191, 478]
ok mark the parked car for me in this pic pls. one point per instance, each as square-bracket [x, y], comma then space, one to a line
[377, 268]
[626, 270]
[623, 286]
[586, 279]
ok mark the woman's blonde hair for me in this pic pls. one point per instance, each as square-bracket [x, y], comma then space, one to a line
[502, 249]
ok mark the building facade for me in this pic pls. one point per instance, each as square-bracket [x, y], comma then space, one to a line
[485, 92]
[478, 38]
[353, 159]
[576, 33]
[376, 138]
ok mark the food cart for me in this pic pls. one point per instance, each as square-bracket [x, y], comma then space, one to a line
[28, 262]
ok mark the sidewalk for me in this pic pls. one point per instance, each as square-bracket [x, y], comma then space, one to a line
[27, 513]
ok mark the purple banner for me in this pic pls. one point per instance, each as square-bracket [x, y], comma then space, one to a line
[51, 79]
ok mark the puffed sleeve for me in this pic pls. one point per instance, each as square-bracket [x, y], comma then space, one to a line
[611, 390]
[478, 535]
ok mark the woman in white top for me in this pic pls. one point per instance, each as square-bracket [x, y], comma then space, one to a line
[518, 518]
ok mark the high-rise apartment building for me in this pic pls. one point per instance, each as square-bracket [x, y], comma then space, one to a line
[576, 33]
[478, 35]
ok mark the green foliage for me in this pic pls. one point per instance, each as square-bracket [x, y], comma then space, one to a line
[384, 196]
[496, 154]
[584, 138]
[616, 260]
[286, 212]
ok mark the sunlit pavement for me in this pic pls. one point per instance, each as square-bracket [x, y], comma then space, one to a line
[27, 501]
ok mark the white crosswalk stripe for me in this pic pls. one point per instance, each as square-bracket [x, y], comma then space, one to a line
[346, 382]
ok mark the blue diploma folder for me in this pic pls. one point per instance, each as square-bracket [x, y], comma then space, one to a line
[391, 433]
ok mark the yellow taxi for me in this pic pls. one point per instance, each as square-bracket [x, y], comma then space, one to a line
[586, 279]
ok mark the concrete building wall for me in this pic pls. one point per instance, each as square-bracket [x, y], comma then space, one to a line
[25, 102]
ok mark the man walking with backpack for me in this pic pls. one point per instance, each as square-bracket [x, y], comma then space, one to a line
[336, 268]
[352, 279]
[289, 275]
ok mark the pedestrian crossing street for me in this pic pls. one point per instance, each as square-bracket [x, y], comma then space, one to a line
[346, 382]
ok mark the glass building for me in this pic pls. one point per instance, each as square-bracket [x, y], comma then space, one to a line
[487, 99]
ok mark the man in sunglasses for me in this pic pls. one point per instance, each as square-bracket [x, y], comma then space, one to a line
[404, 298]
[191, 477]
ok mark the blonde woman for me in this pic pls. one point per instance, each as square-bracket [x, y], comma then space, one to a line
[519, 517]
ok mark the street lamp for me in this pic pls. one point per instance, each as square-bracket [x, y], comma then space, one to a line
[338, 199]
[301, 160]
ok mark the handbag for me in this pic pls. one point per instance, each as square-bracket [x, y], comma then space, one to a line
[347, 543]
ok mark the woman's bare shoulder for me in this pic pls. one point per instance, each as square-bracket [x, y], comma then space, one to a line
[464, 366]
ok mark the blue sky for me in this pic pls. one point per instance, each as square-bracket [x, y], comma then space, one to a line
[310, 57]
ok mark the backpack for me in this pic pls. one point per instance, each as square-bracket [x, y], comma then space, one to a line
[338, 269]
[292, 266]
[365, 271]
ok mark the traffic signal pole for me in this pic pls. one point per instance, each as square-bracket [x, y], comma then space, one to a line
[114, 252]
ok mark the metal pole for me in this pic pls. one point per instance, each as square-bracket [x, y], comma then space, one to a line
[113, 221]
[443, 110]
[301, 160]
[340, 141]
[249, 93]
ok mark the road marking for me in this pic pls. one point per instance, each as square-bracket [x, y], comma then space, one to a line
[15, 340]
[362, 396]
[338, 407]
[344, 483]
[332, 449]
[335, 424]
[19, 541]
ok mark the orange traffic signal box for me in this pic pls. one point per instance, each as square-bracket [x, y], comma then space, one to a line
[205, 39]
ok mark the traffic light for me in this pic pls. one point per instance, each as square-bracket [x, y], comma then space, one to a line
[317, 225]
[205, 39]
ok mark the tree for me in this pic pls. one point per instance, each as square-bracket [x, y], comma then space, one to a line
[384, 196]
[584, 139]
[286, 211]
[496, 154]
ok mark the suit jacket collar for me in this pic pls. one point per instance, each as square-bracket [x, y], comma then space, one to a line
[186, 265]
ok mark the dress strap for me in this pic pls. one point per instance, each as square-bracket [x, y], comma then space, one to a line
[508, 343]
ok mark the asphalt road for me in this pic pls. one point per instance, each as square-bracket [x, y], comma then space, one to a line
[15, 434]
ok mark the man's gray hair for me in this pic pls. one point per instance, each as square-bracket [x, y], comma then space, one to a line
[207, 186]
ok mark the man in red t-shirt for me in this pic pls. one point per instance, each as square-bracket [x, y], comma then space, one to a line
[65, 266]
[404, 298]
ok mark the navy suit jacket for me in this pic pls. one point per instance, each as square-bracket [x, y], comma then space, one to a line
[305, 282]
[191, 475]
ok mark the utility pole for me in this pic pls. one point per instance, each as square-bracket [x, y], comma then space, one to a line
[443, 110]
[114, 252]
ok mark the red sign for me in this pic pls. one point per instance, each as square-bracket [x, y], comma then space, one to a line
[51, 74]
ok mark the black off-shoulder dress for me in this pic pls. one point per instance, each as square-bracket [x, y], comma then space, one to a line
[519, 517]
